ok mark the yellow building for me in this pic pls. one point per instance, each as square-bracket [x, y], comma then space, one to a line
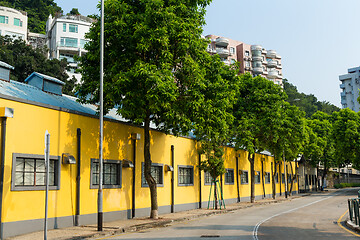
[38, 106]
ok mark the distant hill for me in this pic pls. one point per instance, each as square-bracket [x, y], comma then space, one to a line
[38, 11]
[307, 102]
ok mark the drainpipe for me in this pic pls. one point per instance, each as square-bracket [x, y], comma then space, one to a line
[4, 114]
[134, 138]
[237, 179]
[78, 174]
[200, 191]
[172, 179]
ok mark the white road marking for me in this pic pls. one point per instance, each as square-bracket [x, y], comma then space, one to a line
[256, 228]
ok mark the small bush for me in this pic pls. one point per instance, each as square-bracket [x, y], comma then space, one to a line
[345, 185]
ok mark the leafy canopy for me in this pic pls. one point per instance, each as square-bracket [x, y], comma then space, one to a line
[27, 60]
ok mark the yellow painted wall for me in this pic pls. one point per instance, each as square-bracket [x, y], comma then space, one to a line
[25, 134]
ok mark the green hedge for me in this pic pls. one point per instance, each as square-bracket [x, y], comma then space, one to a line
[345, 185]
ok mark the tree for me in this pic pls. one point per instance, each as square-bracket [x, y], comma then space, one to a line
[38, 11]
[307, 103]
[286, 139]
[74, 11]
[346, 137]
[152, 64]
[323, 151]
[257, 115]
[213, 119]
[27, 60]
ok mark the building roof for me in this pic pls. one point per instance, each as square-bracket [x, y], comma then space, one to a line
[32, 95]
[46, 77]
[5, 65]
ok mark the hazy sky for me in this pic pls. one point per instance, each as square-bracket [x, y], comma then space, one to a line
[317, 39]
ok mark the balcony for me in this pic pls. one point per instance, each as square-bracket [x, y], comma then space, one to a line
[343, 101]
[343, 94]
[256, 48]
[257, 59]
[258, 70]
[273, 74]
[279, 66]
[271, 54]
[223, 42]
[342, 86]
[272, 64]
[223, 52]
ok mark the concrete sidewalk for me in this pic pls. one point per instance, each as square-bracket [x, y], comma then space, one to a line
[138, 224]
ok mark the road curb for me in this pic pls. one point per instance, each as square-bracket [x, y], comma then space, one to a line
[352, 226]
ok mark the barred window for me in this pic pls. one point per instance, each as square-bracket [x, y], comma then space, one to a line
[257, 177]
[156, 173]
[229, 176]
[244, 178]
[277, 178]
[185, 175]
[29, 172]
[267, 177]
[111, 173]
[283, 178]
[208, 178]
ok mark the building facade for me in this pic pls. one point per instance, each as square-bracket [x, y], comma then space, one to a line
[38, 105]
[66, 39]
[13, 23]
[350, 84]
[252, 58]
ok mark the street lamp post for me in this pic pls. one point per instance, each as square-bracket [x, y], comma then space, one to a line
[101, 117]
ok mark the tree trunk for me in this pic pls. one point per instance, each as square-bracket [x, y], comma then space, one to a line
[273, 173]
[147, 170]
[251, 158]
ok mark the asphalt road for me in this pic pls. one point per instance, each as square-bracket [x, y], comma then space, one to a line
[311, 217]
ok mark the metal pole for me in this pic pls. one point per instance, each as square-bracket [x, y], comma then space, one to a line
[47, 151]
[100, 191]
[286, 195]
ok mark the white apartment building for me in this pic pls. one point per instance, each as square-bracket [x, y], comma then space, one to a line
[66, 39]
[252, 58]
[350, 84]
[13, 23]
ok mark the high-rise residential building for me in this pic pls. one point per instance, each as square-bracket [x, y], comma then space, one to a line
[252, 58]
[350, 84]
[13, 23]
[66, 39]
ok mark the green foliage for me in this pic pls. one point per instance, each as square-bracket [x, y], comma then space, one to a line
[346, 185]
[74, 11]
[213, 118]
[38, 11]
[27, 60]
[321, 148]
[346, 135]
[257, 113]
[153, 66]
[307, 103]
